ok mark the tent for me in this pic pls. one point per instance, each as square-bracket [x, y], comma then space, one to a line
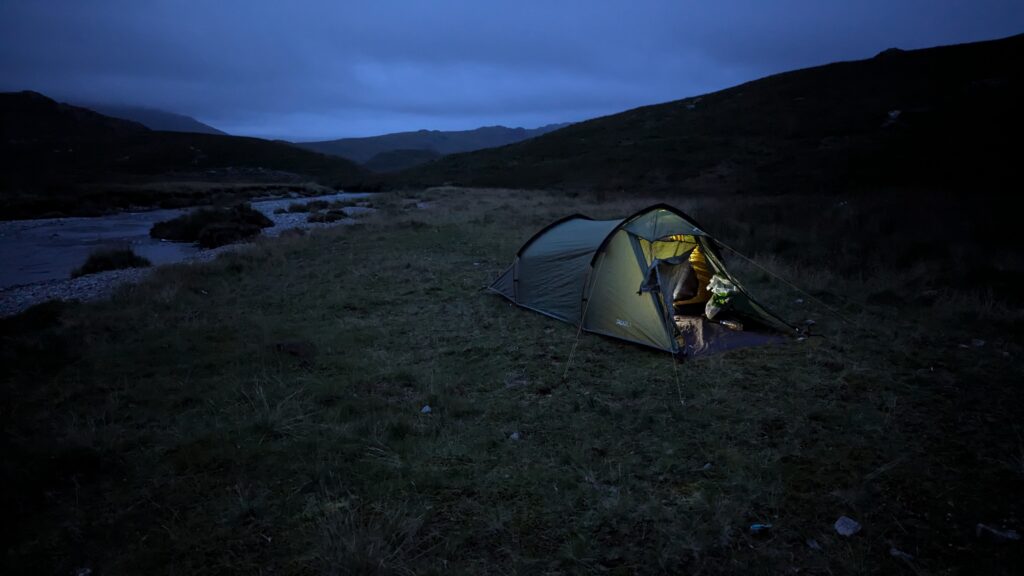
[646, 279]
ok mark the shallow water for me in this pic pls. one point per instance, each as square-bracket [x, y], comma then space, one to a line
[38, 250]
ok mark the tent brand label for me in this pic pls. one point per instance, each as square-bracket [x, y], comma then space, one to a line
[623, 323]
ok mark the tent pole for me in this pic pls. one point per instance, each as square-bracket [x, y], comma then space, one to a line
[675, 362]
[572, 352]
[583, 317]
[679, 387]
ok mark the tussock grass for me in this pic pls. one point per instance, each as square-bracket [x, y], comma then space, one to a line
[213, 227]
[189, 444]
[332, 215]
[322, 210]
[311, 206]
[110, 259]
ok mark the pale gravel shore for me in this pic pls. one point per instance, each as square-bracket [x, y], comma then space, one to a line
[102, 285]
[90, 287]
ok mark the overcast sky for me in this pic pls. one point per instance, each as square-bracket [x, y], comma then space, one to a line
[312, 69]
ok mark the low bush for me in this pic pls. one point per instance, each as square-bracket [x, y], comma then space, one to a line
[110, 259]
[223, 233]
[308, 206]
[328, 216]
[212, 227]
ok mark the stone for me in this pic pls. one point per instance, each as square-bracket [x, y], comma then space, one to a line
[897, 553]
[847, 526]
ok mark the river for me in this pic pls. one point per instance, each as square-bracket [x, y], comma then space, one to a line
[33, 251]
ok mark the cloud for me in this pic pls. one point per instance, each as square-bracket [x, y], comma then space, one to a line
[324, 69]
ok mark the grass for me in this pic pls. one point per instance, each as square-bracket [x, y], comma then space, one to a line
[263, 414]
[312, 206]
[321, 211]
[212, 227]
[332, 215]
[110, 259]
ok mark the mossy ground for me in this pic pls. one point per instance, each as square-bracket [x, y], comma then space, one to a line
[262, 413]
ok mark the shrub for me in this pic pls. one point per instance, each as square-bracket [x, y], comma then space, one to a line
[212, 227]
[222, 233]
[110, 259]
[308, 206]
[328, 216]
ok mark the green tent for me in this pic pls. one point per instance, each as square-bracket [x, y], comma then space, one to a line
[644, 279]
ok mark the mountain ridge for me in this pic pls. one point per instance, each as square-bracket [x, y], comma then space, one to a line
[443, 142]
[54, 154]
[154, 118]
[903, 117]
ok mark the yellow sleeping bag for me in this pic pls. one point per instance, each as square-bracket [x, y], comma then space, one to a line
[704, 274]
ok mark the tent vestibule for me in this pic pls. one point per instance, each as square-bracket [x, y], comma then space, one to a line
[644, 279]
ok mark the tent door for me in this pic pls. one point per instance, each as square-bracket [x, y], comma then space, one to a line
[672, 279]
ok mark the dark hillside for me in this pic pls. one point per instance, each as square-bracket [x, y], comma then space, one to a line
[937, 116]
[440, 141]
[28, 118]
[155, 119]
[394, 160]
[50, 151]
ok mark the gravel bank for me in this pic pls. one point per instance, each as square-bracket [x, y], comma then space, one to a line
[97, 286]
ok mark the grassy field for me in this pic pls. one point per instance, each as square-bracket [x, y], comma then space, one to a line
[262, 413]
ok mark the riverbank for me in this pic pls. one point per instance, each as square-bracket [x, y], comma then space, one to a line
[59, 245]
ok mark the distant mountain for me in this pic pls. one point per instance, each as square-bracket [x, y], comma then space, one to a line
[29, 117]
[938, 118]
[393, 160]
[155, 119]
[52, 150]
[443, 142]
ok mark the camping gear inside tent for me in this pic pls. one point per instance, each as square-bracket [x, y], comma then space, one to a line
[654, 278]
